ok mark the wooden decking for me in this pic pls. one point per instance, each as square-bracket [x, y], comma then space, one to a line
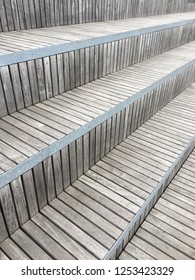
[31, 130]
[40, 13]
[15, 41]
[85, 220]
[169, 230]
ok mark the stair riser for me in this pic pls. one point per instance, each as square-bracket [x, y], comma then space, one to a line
[20, 14]
[34, 189]
[27, 83]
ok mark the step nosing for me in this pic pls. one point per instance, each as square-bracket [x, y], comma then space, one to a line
[143, 212]
[37, 158]
[26, 55]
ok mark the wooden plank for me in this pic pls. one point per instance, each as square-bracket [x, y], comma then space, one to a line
[65, 166]
[174, 247]
[40, 79]
[97, 207]
[150, 249]
[29, 246]
[181, 232]
[79, 149]
[47, 74]
[117, 189]
[81, 222]
[8, 90]
[125, 184]
[108, 193]
[30, 130]
[3, 256]
[86, 143]
[137, 252]
[91, 215]
[40, 185]
[49, 178]
[62, 238]
[19, 200]
[13, 251]
[85, 240]
[126, 256]
[42, 123]
[33, 80]
[8, 209]
[57, 165]
[25, 84]
[30, 193]
[3, 232]
[3, 106]
[14, 72]
[51, 247]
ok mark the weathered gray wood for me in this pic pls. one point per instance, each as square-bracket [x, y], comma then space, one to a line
[174, 248]
[85, 240]
[30, 193]
[17, 86]
[97, 207]
[15, 15]
[90, 215]
[3, 256]
[138, 253]
[19, 201]
[62, 238]
[57, 166]
[8, 209]
[152, 250]
[13, 251]
[3, 232]
[49, 178]
[51, 247]
[91, 229]
[29, 246]
[40, 185]
[8, 90]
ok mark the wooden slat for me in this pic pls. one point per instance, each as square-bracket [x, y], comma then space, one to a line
[3, 256]
[169, 226]
[8, 209]
[51, 247]
[29, 246]
[91, 229]
[37, 80]
[3, 232]
[13, 251]
[62, 238]
[16, 15]
[85, 240]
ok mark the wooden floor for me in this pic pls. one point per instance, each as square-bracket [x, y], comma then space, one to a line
[29, 131]
[169, 230]
[43, 37]
[84, 221]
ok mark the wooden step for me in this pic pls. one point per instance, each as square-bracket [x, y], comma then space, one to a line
[92, 120]
[169, 230]
[88, 217]
[41, 13]
[36, 65]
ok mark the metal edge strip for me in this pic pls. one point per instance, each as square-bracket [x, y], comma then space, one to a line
[152, 199]
[31, 162]
[22, 56]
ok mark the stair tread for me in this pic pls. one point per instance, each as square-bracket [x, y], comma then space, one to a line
[120, 185]
[34, 129]
[170, 226]
[26, 40]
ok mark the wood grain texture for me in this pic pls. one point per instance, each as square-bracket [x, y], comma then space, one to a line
[37, 80]
[15, 15]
